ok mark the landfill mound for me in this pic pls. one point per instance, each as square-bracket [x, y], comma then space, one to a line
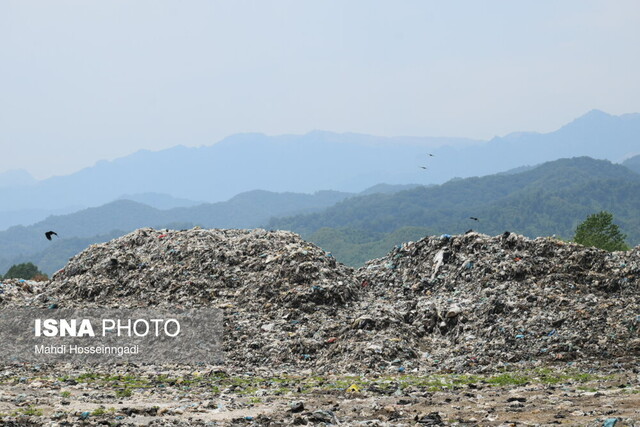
[196, 267]
[473, 300]
[19, 291]
[267, 282]
[467, 302]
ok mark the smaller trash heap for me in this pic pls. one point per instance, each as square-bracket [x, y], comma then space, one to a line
[19, 291]
[467, 302]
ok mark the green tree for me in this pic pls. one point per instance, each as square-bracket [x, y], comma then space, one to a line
[598, 230]
[25, 271]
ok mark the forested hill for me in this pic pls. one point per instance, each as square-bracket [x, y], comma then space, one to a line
[633, 163]
[552, 198]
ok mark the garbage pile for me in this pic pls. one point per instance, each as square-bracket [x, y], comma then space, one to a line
[467, 302]
[19, 291]
[473, 300]
[270, 284]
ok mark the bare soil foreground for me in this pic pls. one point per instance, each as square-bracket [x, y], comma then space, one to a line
[153, 395]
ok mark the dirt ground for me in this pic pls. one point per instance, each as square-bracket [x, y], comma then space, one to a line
[161, 395]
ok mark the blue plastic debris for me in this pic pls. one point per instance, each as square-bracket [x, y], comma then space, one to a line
[85, 415]
[519, 336]
[401, 369]
[468, 265]
[53, 306]
[445, 236]
[552, 333]
[610, 422]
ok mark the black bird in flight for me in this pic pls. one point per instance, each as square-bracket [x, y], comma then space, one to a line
[474, 218]
[431, 155]
[423, 167]
[48, 234]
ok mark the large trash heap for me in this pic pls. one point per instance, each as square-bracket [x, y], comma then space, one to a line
[466, 302]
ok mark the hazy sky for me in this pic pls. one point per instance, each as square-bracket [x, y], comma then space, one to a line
[87, 80]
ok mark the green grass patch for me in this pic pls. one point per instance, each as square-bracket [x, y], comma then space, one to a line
[248, 385]
[124, 392]
[98, 412]
[508, 379]
[30, 411]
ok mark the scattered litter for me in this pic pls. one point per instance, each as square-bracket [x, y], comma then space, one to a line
[353, 388]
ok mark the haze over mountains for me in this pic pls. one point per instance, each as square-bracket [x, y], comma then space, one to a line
[312, 162]
[633, 163]
[16, 178]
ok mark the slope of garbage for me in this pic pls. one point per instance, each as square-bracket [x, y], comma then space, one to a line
[467, 302]
[474, 300]
[272, 285]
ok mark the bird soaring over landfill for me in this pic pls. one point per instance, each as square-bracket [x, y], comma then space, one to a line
[474, 218]
[48, 234]
[423, 167]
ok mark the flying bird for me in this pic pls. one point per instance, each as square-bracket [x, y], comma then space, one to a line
[423, 167]
[48, 234]
[431, 155]
[474, 218]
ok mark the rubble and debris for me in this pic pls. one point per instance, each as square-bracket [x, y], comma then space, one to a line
[431, 419]
[281, 296]
[19, 292]
[297, 406]
[465, 302]
[472, 300]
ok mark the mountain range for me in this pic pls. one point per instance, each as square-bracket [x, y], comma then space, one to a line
[312, 162]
